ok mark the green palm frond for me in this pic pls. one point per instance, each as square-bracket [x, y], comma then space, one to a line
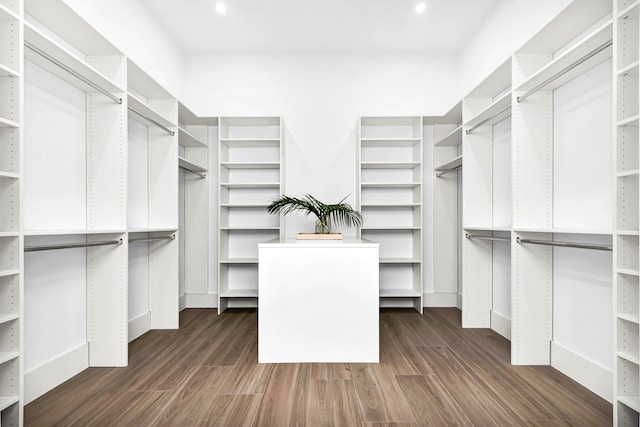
[340, 213]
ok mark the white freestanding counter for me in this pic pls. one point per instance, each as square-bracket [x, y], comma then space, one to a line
[318, 301]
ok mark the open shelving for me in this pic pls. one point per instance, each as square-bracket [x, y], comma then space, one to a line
[250, 172]
[390, 200]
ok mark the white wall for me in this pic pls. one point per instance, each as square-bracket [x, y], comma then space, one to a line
[129, 26]
[510, 25]
[320, 97]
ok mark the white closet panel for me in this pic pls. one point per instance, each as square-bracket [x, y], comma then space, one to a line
[54, 151]
[427, 206]
[501, 168]
[582, 299]
[138, 280]
[54, 300]
[213, 212]
[138, 190]
[502, 278]
[181, 230]
[582, 162]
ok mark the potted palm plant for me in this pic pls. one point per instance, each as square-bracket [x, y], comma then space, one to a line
[340, 213]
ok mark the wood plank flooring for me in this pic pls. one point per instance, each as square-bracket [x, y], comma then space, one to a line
[432, 373]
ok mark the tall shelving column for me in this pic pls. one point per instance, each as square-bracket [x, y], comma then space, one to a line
[626, 404]
[150, 104]
[250, 176]
[447, 162]
[193, 159]
[390, 199]
[11, 242]
[488, 104]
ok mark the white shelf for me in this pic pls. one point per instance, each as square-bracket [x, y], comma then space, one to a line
[452, 139]
[628, 271]
[240, 293]
[187, 140]
[390, 227]
[399, 260]
[474, 228]
[632, 402]
[7, 401]
[239, 261]
[190, 166]
[250, 228]
[6, 318]
[631, 69]
[630, 317]
[627, 10]
[9, 234]
[628, 232]
[7, 273]
[8, 15]
[8, 356]
[250, 142]
[152, 230]
[6, 71]
[244, 205]
[389, 165]
[564, 231]
[493, 113]
[597, 38]
[399, 293]
[250, 165]
[70, 60]
[631, 356]
[6, 123]
[71, 232]
[149, 113]
[9, 175]
[628, 173]
[389, 205]
[450, 165]
[250, 185]
[390, 185]
[389, 142]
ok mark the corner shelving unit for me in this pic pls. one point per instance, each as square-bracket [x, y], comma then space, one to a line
[390, 199]
[251, 174]
[626, 405]
[11, 242]
[447, 165]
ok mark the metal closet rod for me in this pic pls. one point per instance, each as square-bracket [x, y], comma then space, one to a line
[440, 173]
[71, 245]
[201, 175]
[152, 239]
[160, 125]
[476, 236]
[73, 73]
[471, 129]
[566, 244]
[565, 70]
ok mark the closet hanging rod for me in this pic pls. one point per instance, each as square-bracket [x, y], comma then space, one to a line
[71, 245]
[565, 70]
[471, 129]
[566, 244]
[201, 175]
[73, 73]
[152, 239]
[155, 122]
[475, 236]
[440, 173]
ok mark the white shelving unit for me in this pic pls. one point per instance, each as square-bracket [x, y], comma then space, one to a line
[390, 200]
[447, 164]
[485, 106]
[575, 42]
[193, 137]
[250, 175]
[11, 242]
[626, 31]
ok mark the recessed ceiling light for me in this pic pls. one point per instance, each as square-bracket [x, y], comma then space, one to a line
[221, 8]
[421, 7]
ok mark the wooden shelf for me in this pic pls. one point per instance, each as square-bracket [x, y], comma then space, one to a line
[6, 318]
[190, 166]
[250, 165]
[596, 39]
[399, 293]
[187, 140]
[70, 60]
[452, 139]
[493, 113]
[143, 109]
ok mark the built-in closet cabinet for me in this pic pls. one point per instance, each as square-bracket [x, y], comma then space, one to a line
[390, 190]
[193, 137]
[155, 223]
[486, 210]
[250, 176]
[11, 242]
[626, 259]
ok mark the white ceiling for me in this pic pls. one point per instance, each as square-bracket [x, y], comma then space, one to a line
[321, 25]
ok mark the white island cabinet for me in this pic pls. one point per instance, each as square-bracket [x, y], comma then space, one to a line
[318, 301]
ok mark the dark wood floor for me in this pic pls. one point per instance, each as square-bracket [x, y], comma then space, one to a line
[432, 373]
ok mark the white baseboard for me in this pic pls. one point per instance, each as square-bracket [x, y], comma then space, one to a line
[437, 299]
[595, 377]
[201, 300]
[501, 324]
[49, 375]
[139, 326]
[182, 302]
